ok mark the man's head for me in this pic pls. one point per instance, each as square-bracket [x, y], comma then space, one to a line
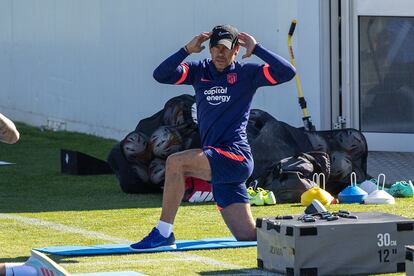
[224, 45]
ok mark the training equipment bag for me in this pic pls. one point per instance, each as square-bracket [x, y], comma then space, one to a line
[139, 159]
[197, 190]
[291, 177]
[364, 243]
[272, 140]
[174, 128]
[348, 152]
[347, 149]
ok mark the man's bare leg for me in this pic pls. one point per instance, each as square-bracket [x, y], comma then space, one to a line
[237, 216]
[191, 162]
[239, 219]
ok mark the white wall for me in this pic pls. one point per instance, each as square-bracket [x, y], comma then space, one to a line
[89, 63]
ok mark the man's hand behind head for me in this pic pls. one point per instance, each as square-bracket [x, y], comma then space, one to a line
[247, 41]
[195, 45]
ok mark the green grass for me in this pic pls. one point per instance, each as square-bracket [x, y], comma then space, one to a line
[35, 188]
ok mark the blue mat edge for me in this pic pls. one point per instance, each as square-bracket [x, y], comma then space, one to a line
[214, 243]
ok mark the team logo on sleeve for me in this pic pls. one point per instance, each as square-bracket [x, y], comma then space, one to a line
[217, 95]
[232, 78]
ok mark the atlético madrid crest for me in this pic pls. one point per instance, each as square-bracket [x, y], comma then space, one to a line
[232, 78]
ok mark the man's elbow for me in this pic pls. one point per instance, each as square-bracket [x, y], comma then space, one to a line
[286, 75]
[291, 73]
[161, 77]
[11, 136]
[15, 137]
[157, 75]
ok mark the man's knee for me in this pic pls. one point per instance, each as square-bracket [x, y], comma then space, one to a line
[183, 160]
[175, 162]
[174, 169]
[239, 219]
[189, 163]
[247, 234]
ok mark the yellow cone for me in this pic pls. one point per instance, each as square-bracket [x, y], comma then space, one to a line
[316, 193]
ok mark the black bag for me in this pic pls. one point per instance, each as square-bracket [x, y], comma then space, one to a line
[273, 141]
[291, 177]
[130, 179]
[348, 152]
[347, 148]
[141, 175]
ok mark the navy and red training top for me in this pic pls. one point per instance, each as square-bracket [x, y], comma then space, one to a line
[224, 98]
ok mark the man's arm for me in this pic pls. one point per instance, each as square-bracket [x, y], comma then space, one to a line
[172, 70]
[276, 67]
[276, 70]
[8, 131]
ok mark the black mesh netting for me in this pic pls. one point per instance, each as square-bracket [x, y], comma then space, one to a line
[139, 159]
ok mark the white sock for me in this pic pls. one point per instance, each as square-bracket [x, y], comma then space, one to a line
[165, 228]
[20, 269]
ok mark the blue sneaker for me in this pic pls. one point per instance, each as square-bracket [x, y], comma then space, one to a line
[154, 240]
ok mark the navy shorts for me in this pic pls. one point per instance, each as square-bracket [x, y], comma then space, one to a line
[230, 169]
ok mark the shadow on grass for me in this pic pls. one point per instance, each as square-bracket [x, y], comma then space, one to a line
[58, 259]
[247, 271]
[20, 259]
[68, 259]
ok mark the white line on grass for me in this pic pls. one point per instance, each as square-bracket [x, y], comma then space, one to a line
[63, 228]
[243, 272]
[170, 260]
[98, 235]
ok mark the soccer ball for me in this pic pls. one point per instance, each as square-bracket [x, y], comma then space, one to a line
[141, 171]
[352, 142]
[136, 148]
[165, 141]
[318, 142]
[341, 165]
[157, 171]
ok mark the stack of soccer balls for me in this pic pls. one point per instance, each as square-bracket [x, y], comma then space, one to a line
[147, 154]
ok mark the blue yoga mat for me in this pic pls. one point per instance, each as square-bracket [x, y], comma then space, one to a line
[182, 245]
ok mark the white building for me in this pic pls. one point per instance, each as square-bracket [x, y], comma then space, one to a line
[86, 65]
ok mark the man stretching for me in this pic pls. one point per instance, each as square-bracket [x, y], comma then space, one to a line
[224, 90]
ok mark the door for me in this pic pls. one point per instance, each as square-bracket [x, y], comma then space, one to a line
[378, 71]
